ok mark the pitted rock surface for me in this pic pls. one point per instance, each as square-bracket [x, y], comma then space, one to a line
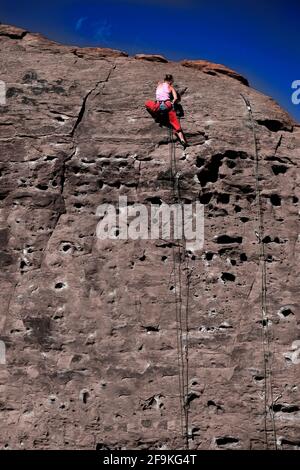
[89, 325]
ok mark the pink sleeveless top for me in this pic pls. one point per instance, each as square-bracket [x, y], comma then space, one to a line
[162, 92]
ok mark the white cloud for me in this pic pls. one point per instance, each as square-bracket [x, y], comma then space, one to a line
[102, 30]
[79, 22]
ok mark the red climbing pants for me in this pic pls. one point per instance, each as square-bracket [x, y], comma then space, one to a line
[153, 108]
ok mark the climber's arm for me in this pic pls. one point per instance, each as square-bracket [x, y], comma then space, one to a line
[174, 93]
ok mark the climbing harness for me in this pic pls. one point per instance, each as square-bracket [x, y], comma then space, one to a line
[266, 340]
[162, 107]
[181, 310]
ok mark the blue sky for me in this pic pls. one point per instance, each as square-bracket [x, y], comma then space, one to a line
[259, 39]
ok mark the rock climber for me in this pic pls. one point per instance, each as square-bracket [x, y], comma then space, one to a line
[166, 97]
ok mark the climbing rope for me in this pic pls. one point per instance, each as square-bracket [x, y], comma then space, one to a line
[177, 297]
[182, 323]
[266, 341]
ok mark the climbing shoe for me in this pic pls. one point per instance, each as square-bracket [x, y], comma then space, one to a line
[184, 143]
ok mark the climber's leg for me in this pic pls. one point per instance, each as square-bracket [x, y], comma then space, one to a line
[152, 107]
[174, 121]
[176, 126]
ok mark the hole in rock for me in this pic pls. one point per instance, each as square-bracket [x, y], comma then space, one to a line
[59, 285]
[154, 328]
[263, 322]
[195, 432]
[223, 198]
[272, 124]
[205, 198]
[284, 408]
[295, 443]
[23, 265]
[225, 326]
[66, 247]
[286, 311]
[268, 239]
[30, 76]
[222, 441]
[49, 158]
[154, 200]
[154, 402]
[191, 397]
[243, 257]
[224, 251]
[230, 164]
[228, 277]
[209, 256]
[234, 154]
[223, 239]
[58, 316]
[259, 378]
[279, 169]
[211, 403]
[13, 92]
[42, 187]
[210, 172]
[275, 200]
[250, 198]
[200, 161]
[84, 396]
